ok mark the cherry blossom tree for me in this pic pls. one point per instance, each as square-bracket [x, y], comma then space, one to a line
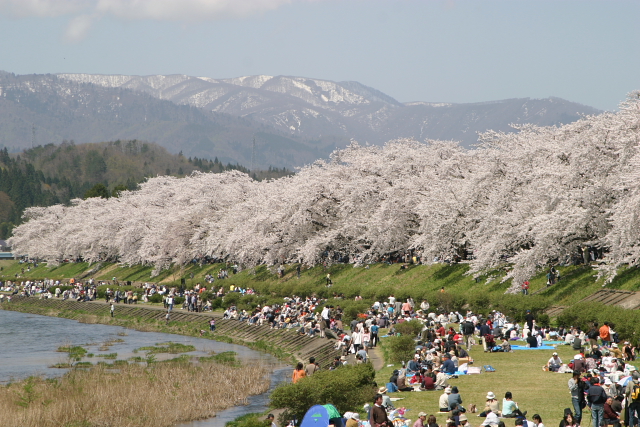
[524, 200]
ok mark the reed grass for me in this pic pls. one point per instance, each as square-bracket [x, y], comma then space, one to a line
[163, 394]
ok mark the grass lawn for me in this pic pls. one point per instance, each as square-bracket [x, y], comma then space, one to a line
[520, 372]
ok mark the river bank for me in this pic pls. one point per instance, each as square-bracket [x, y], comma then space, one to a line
[285, 344]
[203, 378]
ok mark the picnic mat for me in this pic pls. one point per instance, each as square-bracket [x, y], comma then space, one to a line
[522, 347]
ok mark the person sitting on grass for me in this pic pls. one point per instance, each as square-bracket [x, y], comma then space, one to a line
[537, 420]
[443, 402]
[532, 341]
[454, 397]
[554, 363]
[492, 420]
[510, 408]
[491, 405]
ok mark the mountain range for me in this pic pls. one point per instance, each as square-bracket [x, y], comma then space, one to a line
[293, 120]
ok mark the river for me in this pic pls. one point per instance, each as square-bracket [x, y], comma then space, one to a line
[29, 344]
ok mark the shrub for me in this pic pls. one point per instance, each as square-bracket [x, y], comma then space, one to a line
[410, 328]
[250, 420]
[400, 348]
[351, 309]
[232, 298]
[347, 388]
[155, 298]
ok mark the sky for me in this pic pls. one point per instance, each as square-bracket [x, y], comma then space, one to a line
[412, 50]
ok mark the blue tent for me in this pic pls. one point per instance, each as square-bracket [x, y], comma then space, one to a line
[322, 416]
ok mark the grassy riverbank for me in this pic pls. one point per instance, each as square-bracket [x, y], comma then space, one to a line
[160, 394]
[376, 282]
[520, 372]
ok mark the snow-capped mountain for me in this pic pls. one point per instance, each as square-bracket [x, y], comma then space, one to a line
[313, 108]
[293, 120]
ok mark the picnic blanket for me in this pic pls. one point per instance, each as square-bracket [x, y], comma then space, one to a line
[523, 347]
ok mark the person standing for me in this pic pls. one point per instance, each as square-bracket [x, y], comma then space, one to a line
[577, 395]
[312, 367]
[467, 329]
[298, 373]
[597, 397]
[605, 334]
[379, 416]
[112, 308]
[374, 334]
[529, 319]
[212, 325]
[633, 404]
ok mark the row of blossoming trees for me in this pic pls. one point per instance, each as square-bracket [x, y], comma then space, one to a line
[528, 198]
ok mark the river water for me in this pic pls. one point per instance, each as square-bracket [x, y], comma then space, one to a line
[28, 344]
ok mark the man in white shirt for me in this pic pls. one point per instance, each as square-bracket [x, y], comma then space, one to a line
[554, 363]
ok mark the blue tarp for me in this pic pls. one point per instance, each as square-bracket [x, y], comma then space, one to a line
[320, 416]
[522, 347]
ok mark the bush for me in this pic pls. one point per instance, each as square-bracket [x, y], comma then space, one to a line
[347, 388]
[249, 420]
[400, 348]
[155, 298]
[232, 298]
[410, 328]
[351, 309]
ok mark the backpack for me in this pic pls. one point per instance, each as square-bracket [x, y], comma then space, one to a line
[635, 392]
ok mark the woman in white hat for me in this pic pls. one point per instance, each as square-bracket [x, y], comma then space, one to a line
[491, 405]
[443, 402]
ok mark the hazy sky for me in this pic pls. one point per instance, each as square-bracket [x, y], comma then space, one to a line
[454, 51]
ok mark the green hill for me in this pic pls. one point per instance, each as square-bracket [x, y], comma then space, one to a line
[50, 174]
[375, 282]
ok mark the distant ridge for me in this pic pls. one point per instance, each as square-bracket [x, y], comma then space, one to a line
[294, 120]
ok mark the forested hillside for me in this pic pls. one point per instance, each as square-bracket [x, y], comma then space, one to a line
[51, 174]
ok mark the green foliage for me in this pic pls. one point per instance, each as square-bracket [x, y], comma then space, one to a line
[98, 190]
[351, 309]
[400, 348]
[582, 315]
[171, 347]
[28, 394]
[250, 420]
[347, 388]
[410, 328]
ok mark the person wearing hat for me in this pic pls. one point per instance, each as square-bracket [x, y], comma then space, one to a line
[617, 353]
[443, 402]
[579, 364]
[386, 400]
[422, 417]
[353, 419]
[464, 422]
[555, 363]
[492, 405]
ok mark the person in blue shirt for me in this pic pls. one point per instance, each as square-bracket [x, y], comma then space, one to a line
[374, 334]
[448, 367]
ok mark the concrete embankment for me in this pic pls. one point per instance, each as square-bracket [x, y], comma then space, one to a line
[276, 341]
